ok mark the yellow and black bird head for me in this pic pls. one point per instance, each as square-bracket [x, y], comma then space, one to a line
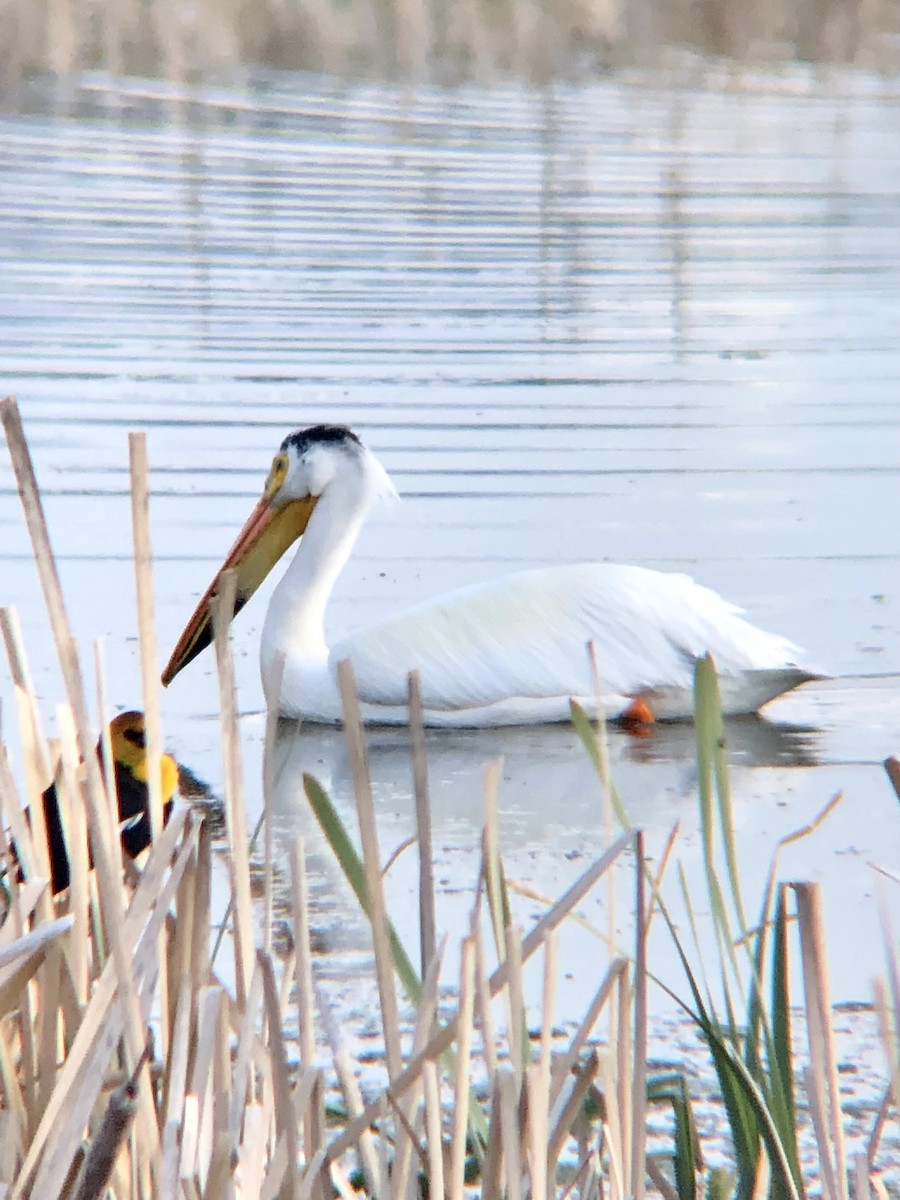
[129, 751]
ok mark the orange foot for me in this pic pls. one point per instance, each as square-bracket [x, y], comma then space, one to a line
[637, 718]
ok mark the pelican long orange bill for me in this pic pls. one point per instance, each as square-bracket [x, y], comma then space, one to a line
[267, 533]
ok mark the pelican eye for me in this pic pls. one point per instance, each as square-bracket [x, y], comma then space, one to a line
[277, 474]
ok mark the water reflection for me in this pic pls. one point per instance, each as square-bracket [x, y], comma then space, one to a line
[547, 777]
[551, 819]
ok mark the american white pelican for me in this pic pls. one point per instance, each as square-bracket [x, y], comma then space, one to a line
[510, 651]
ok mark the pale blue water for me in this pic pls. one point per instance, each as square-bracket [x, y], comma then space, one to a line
[641, 321]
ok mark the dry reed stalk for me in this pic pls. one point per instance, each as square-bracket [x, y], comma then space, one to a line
[208, 1004]
[499, 979]
[58, 1136]
[362, 787]
[14, 1098]
[71, 807]
[175, 1087]
[655, 880]
[534, 1135]
[24, 837]
[222, 609]
[889, 1032]
[551, 964]
[100, 835]
[859, 1167]
[377, 910]
[285, 1123]
[268, 786]
[38, 769]
[427, 926]
[100, 1160]
[20, 959]
[823, 1058]
[485, 1013]
[492, 871]
[639, 1089]
[303, 964]
[356, 1131]
[313, 1119]
[506, 1093]
[242, 1090]
[149, 659]
[48, 1031]
[188, 907]
[109, 765]
[97, 1015]
[201, 910]
[434, 1135]
[565, 1064]
[517, 1032]
[568, 1105]
[463, 1067]
[402, 1178]
[143, 576]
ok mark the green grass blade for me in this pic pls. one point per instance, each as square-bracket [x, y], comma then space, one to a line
[719, 749]
[671, 1088]
[780, 1095]
[707, 724]
[352, 866]
[592, 742]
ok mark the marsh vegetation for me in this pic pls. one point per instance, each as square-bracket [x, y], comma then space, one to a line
[440, 40]
[141, 1055]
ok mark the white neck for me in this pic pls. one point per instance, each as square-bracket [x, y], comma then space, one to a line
[295, 621]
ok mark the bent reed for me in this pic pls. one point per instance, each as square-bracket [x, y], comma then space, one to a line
[132, 1065]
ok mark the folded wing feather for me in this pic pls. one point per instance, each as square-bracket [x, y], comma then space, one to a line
[526, 635]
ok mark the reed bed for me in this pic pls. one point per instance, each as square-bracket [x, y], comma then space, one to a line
[433, 40]
[130, 1067]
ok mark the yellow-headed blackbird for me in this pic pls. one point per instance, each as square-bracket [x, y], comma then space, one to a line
[130, 758]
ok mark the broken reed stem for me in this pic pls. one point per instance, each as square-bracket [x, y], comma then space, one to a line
[98, 1165]
[143, 577]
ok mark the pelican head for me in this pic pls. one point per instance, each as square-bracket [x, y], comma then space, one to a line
[310, 463]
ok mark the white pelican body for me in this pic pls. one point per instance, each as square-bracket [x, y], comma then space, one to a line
[509, 651]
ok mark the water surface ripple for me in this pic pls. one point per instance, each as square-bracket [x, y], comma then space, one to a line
[640, 320]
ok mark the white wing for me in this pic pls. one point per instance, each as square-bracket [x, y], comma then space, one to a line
[525, 635]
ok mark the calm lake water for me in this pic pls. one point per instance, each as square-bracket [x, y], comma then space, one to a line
[649, 320]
